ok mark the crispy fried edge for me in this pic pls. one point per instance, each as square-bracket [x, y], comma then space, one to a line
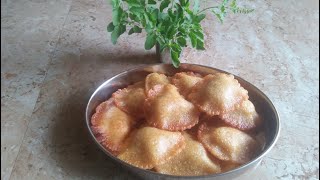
[101, 137]
[195, 90]
[180, 145]
[147, 79]
[175, 82]
[119, 92]
[210, 156]
[241, 126]
[152, 94]
[204, 127]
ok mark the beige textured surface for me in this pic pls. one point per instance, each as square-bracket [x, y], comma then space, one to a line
[55, 53]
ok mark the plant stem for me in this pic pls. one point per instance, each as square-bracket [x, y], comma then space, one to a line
[212, 7]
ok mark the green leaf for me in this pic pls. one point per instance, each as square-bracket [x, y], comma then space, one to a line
[115, 4]
[152, 2]
[118, 30]
[142, 2]
[218, 16]
[182, 30]
[161, 40]
[115, 35]
[171, 31]
[243, 10]
[171, 14]
[182, 2]
[133, 3]
[187, 4]
[199, 34]
[200, 45]
[180, 13]
[136, 10]
[224, 2]
[135, 29]
[154, 16]
[131, 31]
[149, 28]
[199, 18]
[164, 4]
[134, 17]
[122, 29]
[116, 15]
[233, 5]
[236, 9]
[197, 26]
[150, 41]
[163, 16]
[193, 39]
[163, 47]
[167, 23]
[222, 9]
[124, 16]
[175, 58]
[188, 16]
[182, 41]
[196, 6]
[148, 21]
[110, 27]
[173, 24]
[176, 47]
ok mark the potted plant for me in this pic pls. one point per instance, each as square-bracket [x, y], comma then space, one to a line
[171, 25]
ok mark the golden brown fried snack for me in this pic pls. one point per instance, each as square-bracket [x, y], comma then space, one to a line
[227, 143]
[122, 124]
[131, 99]
[192, 161]
[217, 94]
[148, 147]
[166, 109]
[155, 79]
[208, 118]
[111, 125]
[243, 117]
[184, 81]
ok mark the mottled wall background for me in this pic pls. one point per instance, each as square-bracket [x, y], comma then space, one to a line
[55, 53]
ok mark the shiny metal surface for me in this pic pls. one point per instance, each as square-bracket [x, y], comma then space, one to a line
[263, 105]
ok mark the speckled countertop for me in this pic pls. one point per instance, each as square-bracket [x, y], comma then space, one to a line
[55, 53]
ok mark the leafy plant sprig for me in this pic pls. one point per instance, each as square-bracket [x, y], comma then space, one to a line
[173, 24]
